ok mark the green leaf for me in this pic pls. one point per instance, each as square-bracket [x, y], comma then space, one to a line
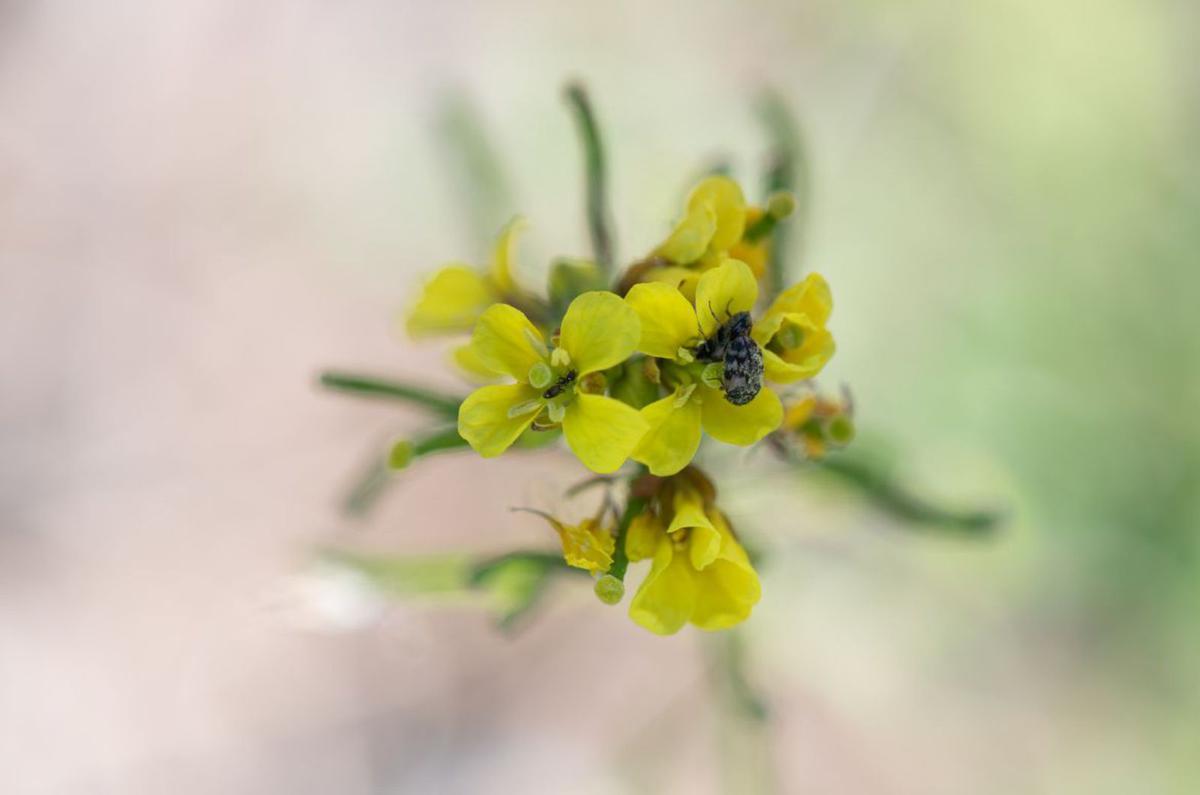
[370, 386]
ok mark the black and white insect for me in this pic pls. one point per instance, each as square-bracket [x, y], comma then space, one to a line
[733, 345]
[559, 386]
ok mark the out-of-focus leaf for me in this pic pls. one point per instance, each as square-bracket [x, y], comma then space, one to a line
[370, 386]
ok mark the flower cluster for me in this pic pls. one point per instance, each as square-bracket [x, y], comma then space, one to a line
[683, 344]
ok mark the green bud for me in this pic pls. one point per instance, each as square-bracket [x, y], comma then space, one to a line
[841, 430]
[540, 375]
[609, 589]
[780, 205]
[401, 455]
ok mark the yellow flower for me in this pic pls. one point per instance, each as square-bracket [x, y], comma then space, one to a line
[792, 333]
[671, 329]
[753, 253]
[714, 221]
[699, 574]
[455, 297]
[599, 331]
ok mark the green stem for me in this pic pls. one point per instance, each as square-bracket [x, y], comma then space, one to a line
[446, 405]
[761, 228]
[879, 487]
[789, 171]
[620, 560]
[440, 441]
[370, 484]
[597, 207]
[482, 568]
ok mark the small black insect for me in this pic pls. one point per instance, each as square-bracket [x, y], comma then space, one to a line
[733, 345]
[559, 386]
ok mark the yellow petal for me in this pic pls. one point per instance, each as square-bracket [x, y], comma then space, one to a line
[740, 425]
[688, 508]
[601, 431]
[787, 364]
[724, 291]
[586, 545]
[768, 326]
[728, 589]
[810, 297]
[684, 279]
[483, 417]
[467, 359]
[801, 364]
[729, 207]
[667, 597]
[506, 342]
[778, 371]
[753, 254]
[691, 236]
[668, 319]
[643, 536]
[452, 300]
[599, 331]
[504, 257]
[703, 545]
[673, 436]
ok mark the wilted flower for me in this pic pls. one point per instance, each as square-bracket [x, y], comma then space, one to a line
[819, 423]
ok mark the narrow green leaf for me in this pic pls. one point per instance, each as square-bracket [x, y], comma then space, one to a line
[370, 386]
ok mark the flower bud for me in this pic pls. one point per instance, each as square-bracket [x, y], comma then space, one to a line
[780, 205]
[609, 589]
[400, 455]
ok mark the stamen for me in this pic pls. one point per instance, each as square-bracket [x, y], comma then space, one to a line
[536, 342]
[521, 409]
[683, 396]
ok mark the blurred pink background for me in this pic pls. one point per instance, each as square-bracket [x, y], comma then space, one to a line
[202, 204]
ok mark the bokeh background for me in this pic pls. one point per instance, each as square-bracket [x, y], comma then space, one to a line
[202, 204]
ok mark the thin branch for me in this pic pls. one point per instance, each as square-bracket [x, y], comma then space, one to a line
[596, 175]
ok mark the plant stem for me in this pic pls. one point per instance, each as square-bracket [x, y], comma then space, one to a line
[445, 405]
[593, 151]
[788, 171]
[882, 490]
[439, 441]
[620, 560]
